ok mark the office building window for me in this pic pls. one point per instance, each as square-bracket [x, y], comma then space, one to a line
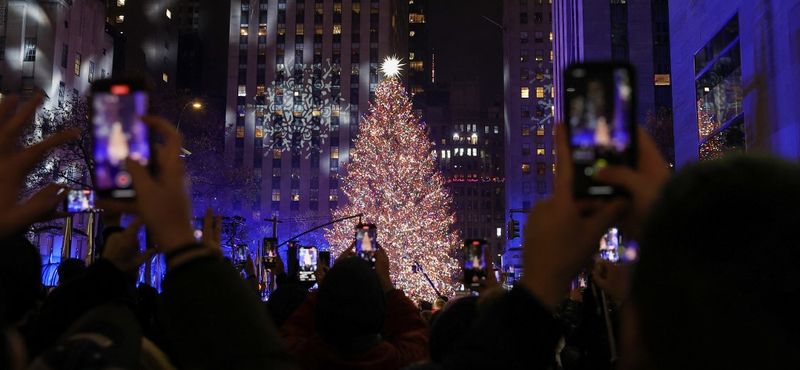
[30, 49]
[539, 92]
[239, 132]
[540, 149]
[164, 77]
[541, 168]
[526, 149]
[538, 37]
[77, 64]
[523, 55]
[540, 128]
[62, 88]
[333, 195]
[539, 56]
[541, 187]
[91, 71]
[523, 18]
[121, 3]
[523, 75]
[526, 130]
[120, 19]
[276, 195]
[719, 94]
[538, 17]
[524, 92]
[526, 112]
[523, 37]
[526, 168]
[64, 55]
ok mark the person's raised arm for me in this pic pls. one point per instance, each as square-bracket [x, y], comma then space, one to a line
[16, 164]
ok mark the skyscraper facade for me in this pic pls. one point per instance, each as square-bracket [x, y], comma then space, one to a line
[148, 31]
[56, 47]
[529, 92]
[735, 68]
[300, 74]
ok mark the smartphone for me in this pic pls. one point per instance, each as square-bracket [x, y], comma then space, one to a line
[325, 258]
[366, 241]
[241, 256]
[118, 134]
[79, 201]
[600, 112]
[609, 245]
[307, 258]
[268, 252]
[474, 261]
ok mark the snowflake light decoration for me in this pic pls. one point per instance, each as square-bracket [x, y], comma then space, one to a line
[300, 101]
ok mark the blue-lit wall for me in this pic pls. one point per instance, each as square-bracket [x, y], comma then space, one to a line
[770, 53]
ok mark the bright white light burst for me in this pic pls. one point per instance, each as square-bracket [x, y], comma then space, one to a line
[391, 66]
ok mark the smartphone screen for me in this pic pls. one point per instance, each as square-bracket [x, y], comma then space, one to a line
[474, 261]
[241, 254]
[609, 245]
[307, 257]
[119, 133]
[325, 258]
[80, 200]
[197, 227]
[599, 104]
[366, 241]
[268, 252]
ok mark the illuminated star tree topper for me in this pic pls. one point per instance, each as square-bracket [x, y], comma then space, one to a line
[391, 67]
[393, 180]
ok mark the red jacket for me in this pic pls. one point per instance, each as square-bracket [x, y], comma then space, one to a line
[405, 339]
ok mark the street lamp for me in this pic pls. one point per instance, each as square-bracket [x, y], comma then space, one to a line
[195, 105]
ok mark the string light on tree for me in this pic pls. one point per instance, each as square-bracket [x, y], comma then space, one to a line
[393, 180]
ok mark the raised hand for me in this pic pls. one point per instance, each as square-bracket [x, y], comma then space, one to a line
[16, 164]
[561, 234]
[212, 232]
[122, 249]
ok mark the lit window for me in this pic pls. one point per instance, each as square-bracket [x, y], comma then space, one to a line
[335, 152]
[411, 34]
[299, 30]
[539, 92]
[169, 14]
[120, 19]
[526, 168]
[120, 3]
[295, 195]
[77, 64]
[524, 92]
[414, 18]
[337, 7]
[276, 195]
[242, 90]
[356, 8]
[239, 132]
[411, 56]
[523, 55]
[416, 65]
[243, 31]
[333, 195]
[337, 29]
[539, 149]
[554, 168]
[262, 30]
[551, 55]
[30, 49]
[663, 80]
[539, 56]
[526, 130]
[540, 131]
[276, 153]
[259, 132]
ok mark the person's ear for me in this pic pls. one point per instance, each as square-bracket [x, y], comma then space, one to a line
[634, 354]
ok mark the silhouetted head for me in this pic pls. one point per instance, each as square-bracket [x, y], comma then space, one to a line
[718, 263]
[69, 269]
[451, 324]
[20, 277]
[351, 302]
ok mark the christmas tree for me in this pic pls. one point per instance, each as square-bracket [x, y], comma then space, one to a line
[392, 179]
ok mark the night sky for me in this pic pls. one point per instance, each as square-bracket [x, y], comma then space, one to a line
[467, 45]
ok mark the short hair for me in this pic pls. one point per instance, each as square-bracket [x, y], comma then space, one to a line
[20, 277]
[719, 248]
[350, 302]
[70, 268]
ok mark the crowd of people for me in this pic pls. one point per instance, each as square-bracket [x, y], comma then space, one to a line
[711, 289]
